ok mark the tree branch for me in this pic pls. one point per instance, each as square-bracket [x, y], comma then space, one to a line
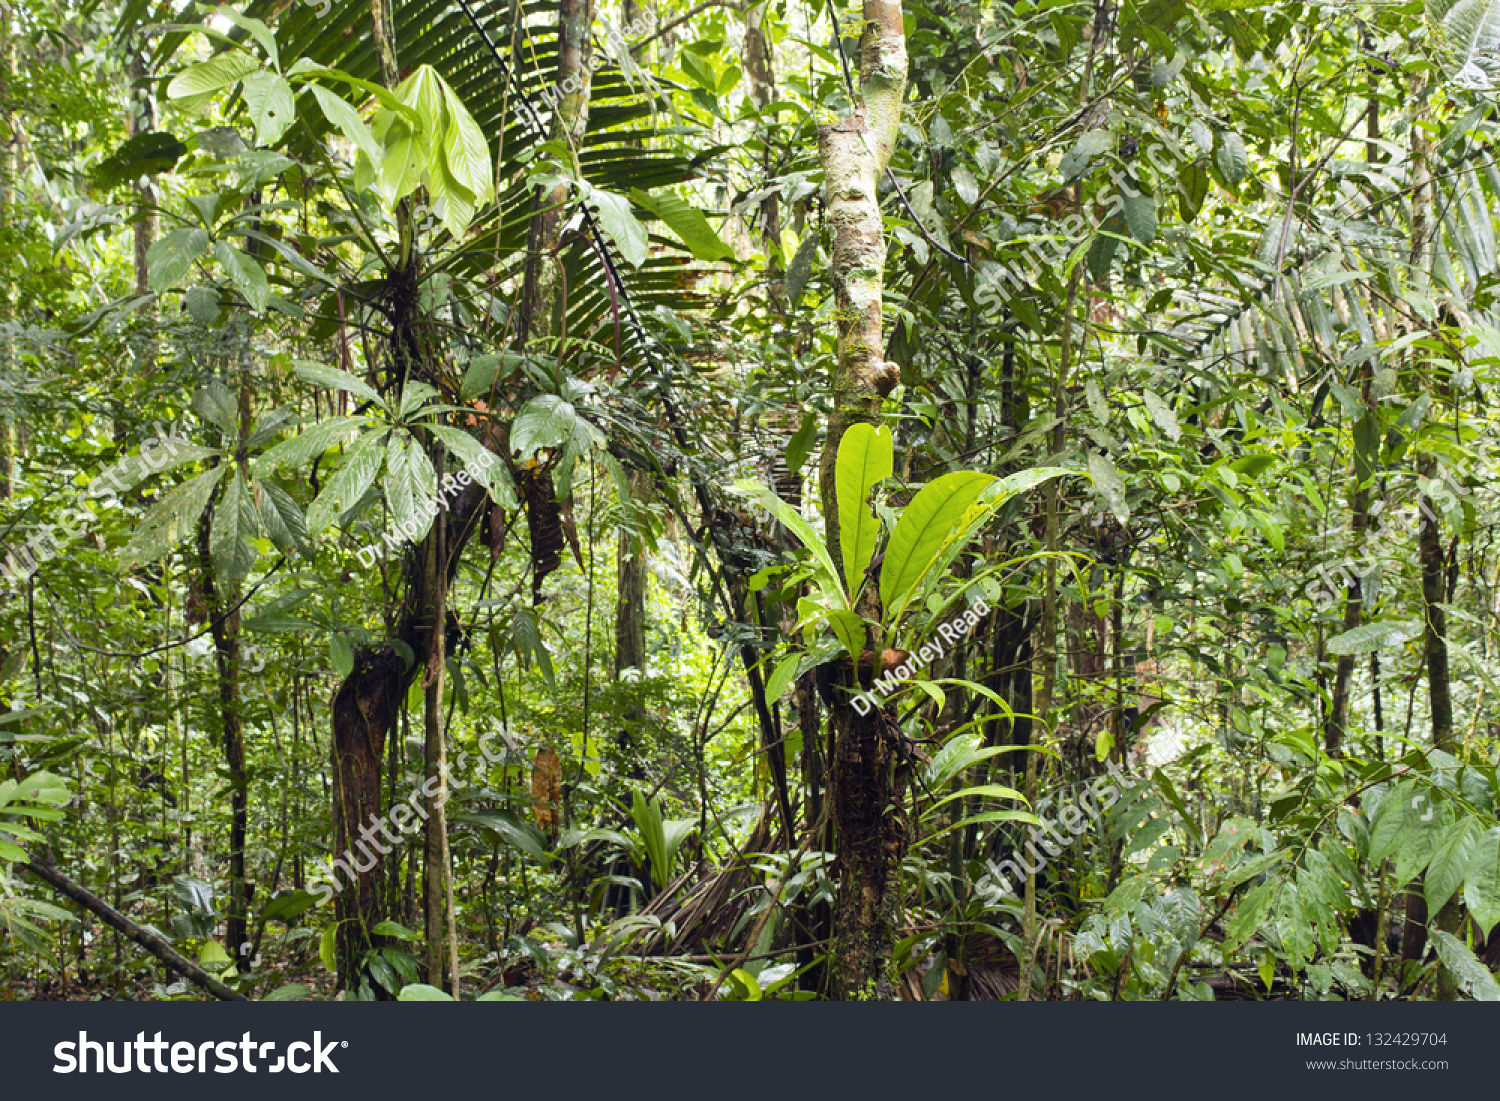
[148, 939]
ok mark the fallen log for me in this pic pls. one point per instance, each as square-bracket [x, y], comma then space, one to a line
[148, 939]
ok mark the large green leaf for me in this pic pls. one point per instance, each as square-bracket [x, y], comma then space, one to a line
[354, 478]
[272, 108]
[1445, 873]
[1482, 881]
[1370, 637]
[864, 459]
[620, 222]
[1468, 32]
[346, 118]
[481, 463]
[410, 486]
[1473, 977]
[792, 520]
[323, 375]
[687, 221]
[171, 518]
[918, 537]
[195, 88]
[308, 445]
[248, 277]
[283, 521]
[170, 258]
[235, 522]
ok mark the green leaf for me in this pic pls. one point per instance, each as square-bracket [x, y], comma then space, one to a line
[791, 519]
[687, 221]
[245, 272]
[520, 835]
[1230, 158]
[1140, 214]
[1192, 189]
[235, 522]
[982, 791]
[341, 654]
[309, 445]
[410, 486]
[400, 171]
[171, 257]
[146, 154]
[549, 421]
[919, 534]
[281, 519]
[1472, 976]
[800, 446]
[1445, 872]
[327, 948]
[1110, 485]
[215, 403]
[344, 489]
[195, 88]
[986, 818]
[1468, 35]
[849, 628]
[392, 929]
[290, 992]
[347, 120]
[781, 678]
[272, 107]
[621, 224]
[481, 463]
[255, 29]
[1163, 415]
[1372, 636]
[864, 459]
[465, 149]
[170, 519]
[320, 374]
[1482, 881]
[421, 992]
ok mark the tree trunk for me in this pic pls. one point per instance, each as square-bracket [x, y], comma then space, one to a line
[868, 781]
[224, 625]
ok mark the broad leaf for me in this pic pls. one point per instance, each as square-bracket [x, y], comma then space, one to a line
[410, 486]
[864, 459]
[170, 519]
[621, 224]
[195, 88]
[918, 537]
[170, 258]
[354, 478]
[235, 522]
[272, 108]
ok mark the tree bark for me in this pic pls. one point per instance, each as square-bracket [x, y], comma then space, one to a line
[868, 780]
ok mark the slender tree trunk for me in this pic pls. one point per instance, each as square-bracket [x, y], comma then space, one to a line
[543, 292]
[869, 784]
[441, 924]
[224, 623]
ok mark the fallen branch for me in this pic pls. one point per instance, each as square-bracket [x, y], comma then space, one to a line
[148, 939]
